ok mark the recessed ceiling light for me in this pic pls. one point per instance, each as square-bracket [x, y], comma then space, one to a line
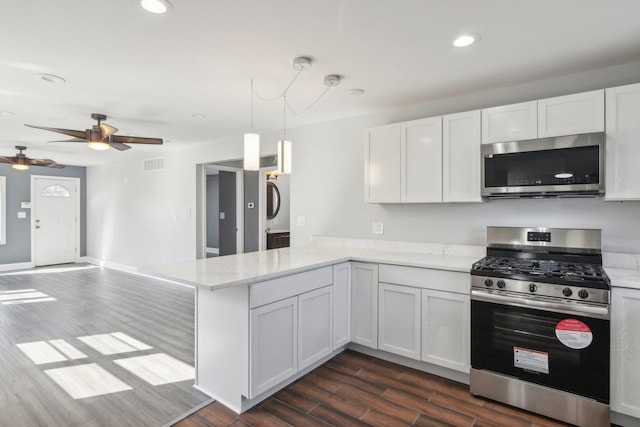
[198, 116]
[466, 40]
[356, 92]
[52, 78]
[6, 113]
[155, 6]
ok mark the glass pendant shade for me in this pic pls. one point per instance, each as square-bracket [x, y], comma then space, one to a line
[284, 156]
[251, 151]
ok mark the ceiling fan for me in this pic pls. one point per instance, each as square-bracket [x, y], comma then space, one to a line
[22, 162]
[101, 136]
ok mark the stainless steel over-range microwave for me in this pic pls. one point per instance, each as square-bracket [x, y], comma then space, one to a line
[570, 165]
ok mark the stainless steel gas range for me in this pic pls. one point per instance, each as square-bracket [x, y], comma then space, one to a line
[540, 323]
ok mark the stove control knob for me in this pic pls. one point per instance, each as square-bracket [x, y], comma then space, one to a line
[532, 287]
[501, 284]
[488, 283]
[582, 293]
[567, 292]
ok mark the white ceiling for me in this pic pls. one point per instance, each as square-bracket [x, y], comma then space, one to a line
[151, 73]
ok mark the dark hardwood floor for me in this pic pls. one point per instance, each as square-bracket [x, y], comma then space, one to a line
[354, 389]
[89, 302]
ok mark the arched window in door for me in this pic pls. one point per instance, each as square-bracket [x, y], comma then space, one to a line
[55, 191]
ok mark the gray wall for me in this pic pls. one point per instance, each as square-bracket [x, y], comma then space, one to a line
[227, 226]
[18, 246]
[213, 211]
[251, 216]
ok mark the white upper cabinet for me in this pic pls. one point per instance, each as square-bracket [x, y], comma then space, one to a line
[382, 164]
[622, 180]
[571, 114]
[461, 157]
[421, 161]
[513, 122]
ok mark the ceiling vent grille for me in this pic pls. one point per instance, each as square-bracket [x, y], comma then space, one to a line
[154, 164]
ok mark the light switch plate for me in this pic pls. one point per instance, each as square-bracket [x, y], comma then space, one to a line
[377, 228]
[25, 205]
[222, 215]
[302, 221]
[22, 215]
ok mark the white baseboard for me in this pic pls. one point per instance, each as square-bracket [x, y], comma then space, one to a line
[213, 251]
[129, 269]
[16, 266]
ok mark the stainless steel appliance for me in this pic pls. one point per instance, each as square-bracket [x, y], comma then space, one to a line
[540, 323]
[562, 166]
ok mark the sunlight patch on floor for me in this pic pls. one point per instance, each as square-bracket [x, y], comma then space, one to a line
[86, 381]
[114, 343]
[157, 369]
[41, 352]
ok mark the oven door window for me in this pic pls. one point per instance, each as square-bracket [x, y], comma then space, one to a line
[535, 346]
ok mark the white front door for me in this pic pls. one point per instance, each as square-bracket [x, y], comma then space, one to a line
[55, 220]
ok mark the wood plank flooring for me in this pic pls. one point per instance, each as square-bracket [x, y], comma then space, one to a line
[353, 389]
[90, 302]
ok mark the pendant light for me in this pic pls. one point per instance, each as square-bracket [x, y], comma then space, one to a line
[284, 145]
[251, 144]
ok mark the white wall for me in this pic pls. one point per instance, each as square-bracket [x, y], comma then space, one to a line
[140, 218]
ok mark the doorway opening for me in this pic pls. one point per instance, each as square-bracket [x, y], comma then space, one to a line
[231, 207]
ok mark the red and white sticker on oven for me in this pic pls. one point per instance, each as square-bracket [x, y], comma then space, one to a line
[574, 333]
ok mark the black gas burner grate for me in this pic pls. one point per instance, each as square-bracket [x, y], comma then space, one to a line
[588, 275]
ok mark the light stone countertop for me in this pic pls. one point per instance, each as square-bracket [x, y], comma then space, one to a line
[623, 278]
[242, 269]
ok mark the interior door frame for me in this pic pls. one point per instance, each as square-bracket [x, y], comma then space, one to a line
[33, 212]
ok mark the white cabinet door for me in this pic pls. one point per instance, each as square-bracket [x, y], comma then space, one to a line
[421, 161]
[446, 329]
[315, 333]
[507, 123]
[364, 304]
[399, 320]
[622, 180]
[571, 114]
[461, 157]
[274, 344]
[625, 351]
[341, 304]
[382, 164]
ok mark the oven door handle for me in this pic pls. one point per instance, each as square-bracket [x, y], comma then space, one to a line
[579, 309]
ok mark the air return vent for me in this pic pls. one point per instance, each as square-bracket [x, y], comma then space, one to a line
[154, 164]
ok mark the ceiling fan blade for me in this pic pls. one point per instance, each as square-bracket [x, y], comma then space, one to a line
[119, 146]
[106, 130]
[7, 159]
[70, 140]
[46, 163]
[135, 139]
[70, 132]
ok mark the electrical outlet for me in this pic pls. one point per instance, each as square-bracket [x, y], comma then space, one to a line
[377, 228]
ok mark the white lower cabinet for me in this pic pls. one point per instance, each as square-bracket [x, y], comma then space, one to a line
[625, 351]
[341, 305]
[446, 329]
[315, 337]
[399, 320]
[274, 344]
[364, 304]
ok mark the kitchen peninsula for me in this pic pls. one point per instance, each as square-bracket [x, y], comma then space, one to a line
[264, 319]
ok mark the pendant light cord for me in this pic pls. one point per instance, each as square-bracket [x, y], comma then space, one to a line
[297, 113]
[251, 104]
[283, 92]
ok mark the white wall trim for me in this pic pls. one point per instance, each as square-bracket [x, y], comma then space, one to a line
[129, 269]
[16, 266]
[213, 250]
